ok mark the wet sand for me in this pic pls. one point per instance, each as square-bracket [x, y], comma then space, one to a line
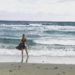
[36, 69]
[42, 65]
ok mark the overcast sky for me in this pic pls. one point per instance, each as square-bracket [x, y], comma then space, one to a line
[44, 10]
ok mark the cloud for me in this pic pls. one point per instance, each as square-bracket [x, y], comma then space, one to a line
[37, 9]
[65, 0]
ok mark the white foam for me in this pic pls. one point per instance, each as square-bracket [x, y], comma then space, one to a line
[45, 27]
[51, 52]
[6, 25]
[62, 28]
[35, 24]
[9, 52]
[55, 41]
[40, 27]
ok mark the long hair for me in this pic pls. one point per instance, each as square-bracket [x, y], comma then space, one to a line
[23, 36]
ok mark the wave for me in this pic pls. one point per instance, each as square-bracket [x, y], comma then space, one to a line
[9, 52]
[59, 23]
[60, 28]
[38, 53]
[20, 24]
[40, 26]
[9, 41]
[60, 32]
[36, 24]
[12, 25]
[55, 42]
[52, 53]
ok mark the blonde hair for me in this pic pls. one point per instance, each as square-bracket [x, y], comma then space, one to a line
[23, 36]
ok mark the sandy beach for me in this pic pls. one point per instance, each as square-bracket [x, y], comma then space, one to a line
[37, 66]
[36, 69]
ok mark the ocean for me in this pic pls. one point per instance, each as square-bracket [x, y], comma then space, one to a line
[45, 38]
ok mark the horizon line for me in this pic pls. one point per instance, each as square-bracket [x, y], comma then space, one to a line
[35, 21]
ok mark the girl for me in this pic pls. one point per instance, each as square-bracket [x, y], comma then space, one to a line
[22, 46]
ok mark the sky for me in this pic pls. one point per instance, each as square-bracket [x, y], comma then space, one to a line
[37, 10]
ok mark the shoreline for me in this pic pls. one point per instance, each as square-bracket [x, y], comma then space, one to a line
[38, 59]
[37, 65]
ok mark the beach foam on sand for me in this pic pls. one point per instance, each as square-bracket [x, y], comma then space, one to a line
[39, 59]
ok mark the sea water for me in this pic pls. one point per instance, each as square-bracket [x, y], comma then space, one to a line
[45, 38]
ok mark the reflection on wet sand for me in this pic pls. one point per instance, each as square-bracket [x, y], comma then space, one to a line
[25, 60]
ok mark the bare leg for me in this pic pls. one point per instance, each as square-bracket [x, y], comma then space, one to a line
[22, 56]
[26, 52]
[27, 60]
